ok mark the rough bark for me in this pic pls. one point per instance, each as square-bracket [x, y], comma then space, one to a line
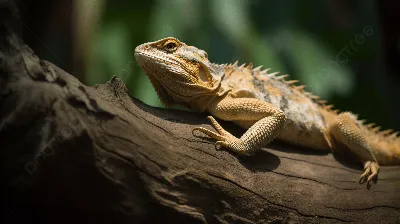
[94, 154]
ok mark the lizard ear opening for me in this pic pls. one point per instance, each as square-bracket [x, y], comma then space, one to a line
[203, 74]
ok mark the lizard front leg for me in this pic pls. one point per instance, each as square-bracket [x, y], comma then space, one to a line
[270, 121]
[346, 131]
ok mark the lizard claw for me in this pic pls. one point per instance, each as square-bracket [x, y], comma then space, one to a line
[212, 134]
[224, 138]
[221, 140]
[220, 135]
[371, 170]
[207, 132]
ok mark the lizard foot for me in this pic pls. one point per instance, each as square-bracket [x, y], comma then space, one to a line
[224, 138]
[371, 170]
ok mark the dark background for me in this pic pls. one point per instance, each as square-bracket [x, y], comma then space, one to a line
[345, 51]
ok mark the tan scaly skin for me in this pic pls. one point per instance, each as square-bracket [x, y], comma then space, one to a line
[265, 104]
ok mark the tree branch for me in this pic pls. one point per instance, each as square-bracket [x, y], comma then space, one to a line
[97, 155]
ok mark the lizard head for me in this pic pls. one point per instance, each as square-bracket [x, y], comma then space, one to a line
[178, 72]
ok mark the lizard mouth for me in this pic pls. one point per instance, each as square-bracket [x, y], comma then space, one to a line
[145, 57]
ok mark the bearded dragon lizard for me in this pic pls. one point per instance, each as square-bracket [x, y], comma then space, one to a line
[265, 104]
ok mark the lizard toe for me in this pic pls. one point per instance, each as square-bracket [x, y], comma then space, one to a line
[370, 175]
[217, 126]
[207, 132]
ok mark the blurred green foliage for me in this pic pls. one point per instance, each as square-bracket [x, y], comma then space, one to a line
[303, 39]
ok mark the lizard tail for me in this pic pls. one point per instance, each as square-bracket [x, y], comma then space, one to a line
[385, 145]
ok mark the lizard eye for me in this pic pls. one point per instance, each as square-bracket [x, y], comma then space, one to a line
[170, 47]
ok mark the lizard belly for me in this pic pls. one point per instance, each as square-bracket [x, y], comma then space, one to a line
[305, 126]
[307, 136]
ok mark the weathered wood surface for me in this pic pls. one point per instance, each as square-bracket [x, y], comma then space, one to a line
[94, 154]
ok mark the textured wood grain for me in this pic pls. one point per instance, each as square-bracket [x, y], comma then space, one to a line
[94, 154]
